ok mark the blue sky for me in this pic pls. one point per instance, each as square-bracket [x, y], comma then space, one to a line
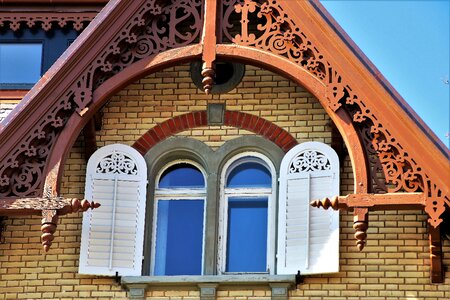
[408, 41]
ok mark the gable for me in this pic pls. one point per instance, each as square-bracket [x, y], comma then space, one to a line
[131, 38]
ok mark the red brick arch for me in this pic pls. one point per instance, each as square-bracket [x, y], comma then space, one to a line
[237, 119]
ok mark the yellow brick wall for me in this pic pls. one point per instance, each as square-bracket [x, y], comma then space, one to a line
[394, 264]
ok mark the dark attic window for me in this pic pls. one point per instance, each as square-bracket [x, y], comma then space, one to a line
[228, 76]
[26, 54]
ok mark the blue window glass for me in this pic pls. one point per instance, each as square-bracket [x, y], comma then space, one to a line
[20, 63]
[249, 174]
[182, 176]
[179, 237]
[247, 234]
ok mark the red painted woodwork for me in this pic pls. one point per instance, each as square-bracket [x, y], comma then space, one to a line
[12, 94]
[209, 44]
[83, 97]
[390, 201]
[46, 20]
[361, 204]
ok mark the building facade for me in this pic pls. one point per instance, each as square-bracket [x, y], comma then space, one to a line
[204, 129]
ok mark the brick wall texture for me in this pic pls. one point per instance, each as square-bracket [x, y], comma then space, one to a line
[393, 265]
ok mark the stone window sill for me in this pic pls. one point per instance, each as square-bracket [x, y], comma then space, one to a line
[208, 284]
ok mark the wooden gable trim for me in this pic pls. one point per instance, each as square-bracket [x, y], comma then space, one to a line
[82, 97]
[357, 52]
[46, 20]
[401, 143]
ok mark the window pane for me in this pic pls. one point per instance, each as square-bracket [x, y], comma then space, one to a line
[247, 234]
[179, 237]
[182, 176]
[249, 174]
[20, 63]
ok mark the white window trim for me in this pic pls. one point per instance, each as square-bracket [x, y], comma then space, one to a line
[174, 195]
[223, 209]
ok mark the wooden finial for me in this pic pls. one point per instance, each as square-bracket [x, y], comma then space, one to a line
[208, 79]
[48, 228]
[326, 203]
[360, 224]
[360, 234]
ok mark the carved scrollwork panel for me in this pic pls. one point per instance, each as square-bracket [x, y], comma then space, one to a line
[264, 25]
[117, 163]
[309, 161]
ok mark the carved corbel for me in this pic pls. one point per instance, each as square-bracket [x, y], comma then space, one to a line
[360, 204]
[360, 224]
[48, 228]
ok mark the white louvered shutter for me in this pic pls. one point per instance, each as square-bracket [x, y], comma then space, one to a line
[308, 237]
[112, 235]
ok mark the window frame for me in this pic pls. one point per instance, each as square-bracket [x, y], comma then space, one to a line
[54, 43]
[212, 162]
[180, 194]
[226, 193]
[25, 85]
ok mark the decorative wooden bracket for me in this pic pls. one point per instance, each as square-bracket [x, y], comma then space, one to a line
[49, 207]
[361, 204]
[209, 40]
[50, 218]
[389, 201]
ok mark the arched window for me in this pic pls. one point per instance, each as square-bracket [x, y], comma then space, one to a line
[178, 228]
[246, 216]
